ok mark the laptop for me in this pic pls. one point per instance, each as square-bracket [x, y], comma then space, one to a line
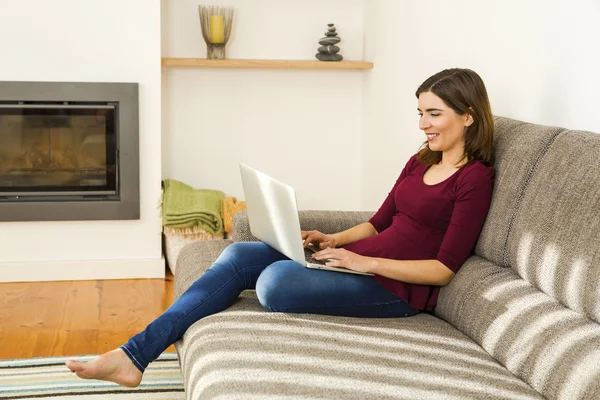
[273, 218]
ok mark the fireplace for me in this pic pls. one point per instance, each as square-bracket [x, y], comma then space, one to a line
[69, 151]
[57, 150]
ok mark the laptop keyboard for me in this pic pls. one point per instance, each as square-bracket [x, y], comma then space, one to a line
[308, 257]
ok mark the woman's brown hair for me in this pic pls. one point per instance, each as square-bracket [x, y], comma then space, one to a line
[463, 91]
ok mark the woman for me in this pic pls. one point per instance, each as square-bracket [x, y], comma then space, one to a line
[418, 239]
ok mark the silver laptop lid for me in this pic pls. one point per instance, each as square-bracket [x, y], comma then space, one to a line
[273, 213]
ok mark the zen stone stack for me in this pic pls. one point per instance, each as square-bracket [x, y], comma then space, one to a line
[328, 50]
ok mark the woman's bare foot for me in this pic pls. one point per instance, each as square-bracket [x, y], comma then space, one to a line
[113, 366]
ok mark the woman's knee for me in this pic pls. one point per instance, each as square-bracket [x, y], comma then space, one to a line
[270, 286]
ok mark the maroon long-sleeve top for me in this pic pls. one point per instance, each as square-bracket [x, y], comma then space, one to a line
[429, 222]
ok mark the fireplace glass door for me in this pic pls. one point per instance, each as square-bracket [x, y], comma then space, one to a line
[58, 150]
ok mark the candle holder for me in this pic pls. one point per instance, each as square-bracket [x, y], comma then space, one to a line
[215, 23]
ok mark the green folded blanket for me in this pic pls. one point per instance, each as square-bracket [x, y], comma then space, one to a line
[186, 207]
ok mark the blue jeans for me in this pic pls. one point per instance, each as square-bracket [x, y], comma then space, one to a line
[281, 285]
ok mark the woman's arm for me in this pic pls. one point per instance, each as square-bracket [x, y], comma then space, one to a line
[420, 272]
[385, 214]
[333, 240]
[354, 234]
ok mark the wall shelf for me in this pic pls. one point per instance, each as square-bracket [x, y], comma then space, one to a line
[282, 64]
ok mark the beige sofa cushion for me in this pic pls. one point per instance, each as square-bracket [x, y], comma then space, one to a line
[248, 353]
[453, 296]
[552, 348]
[555, 240]
[517, 148]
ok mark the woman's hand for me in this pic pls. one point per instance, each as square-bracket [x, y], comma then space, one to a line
[346, 259]
[319, 239]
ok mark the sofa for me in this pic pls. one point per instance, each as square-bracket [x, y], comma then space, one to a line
[520, 320]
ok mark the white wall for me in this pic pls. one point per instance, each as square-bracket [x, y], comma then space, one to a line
[539, 59]
[107, 41]
[300, 126]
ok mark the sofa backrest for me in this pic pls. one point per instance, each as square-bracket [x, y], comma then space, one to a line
[518, 148]
[531, 294]
[555, 242]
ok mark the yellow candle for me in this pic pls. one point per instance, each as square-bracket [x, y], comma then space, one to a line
[217, 29]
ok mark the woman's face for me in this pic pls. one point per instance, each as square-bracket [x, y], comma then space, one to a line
[443, 127]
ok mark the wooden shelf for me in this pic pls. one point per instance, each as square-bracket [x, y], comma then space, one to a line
[283, 64]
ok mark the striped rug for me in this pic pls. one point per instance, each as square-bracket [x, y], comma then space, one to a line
[49, 378]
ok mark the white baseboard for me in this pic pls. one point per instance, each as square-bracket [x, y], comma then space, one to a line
[36, 271]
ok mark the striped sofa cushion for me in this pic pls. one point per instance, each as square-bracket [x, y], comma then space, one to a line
[518, 146]
[555, 240]
[248, 353]
[554, 349]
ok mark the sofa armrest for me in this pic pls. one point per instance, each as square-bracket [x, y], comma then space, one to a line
[324, 221]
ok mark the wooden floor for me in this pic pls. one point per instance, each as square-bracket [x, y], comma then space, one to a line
[42, 319]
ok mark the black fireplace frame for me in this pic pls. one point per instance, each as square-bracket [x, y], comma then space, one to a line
[122, 206]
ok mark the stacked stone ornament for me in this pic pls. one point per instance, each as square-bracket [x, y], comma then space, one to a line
[328, 50]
